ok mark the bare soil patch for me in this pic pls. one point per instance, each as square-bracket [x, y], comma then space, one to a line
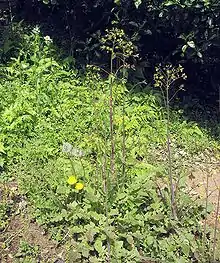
[21, 227]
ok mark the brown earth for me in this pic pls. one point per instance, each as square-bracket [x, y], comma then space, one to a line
[22, 228]
[204, 181]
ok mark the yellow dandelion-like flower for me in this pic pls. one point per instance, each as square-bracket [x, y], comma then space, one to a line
[72, 180]
[79, 186]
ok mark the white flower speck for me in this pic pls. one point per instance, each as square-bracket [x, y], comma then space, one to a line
[48, 39]
[36, 30]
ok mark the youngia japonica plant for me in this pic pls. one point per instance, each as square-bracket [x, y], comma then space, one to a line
[165, 79]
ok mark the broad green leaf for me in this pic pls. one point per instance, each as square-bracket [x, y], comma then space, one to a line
[99, 247]
[191, 44]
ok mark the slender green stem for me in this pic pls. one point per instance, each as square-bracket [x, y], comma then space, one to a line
[72, 164]
[106, 191]
[173, 205]
[84, 172]
[112, 159]
[123, 127]
[123, 139]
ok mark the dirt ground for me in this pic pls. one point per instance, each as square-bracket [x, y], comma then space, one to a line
[22, 228]
[204, 181]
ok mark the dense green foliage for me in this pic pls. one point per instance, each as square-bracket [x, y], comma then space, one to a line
[185, 32]
[100, 152]
[54, 123]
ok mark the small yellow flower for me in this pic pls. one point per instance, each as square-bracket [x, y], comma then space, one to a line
[72, 180]
[79, 186]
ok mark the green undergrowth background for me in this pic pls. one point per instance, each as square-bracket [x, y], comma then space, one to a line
[45, 103]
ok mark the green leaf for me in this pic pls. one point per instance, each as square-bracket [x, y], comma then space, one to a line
[130, 239]
[137, 3]
[185, 247]
[2, 162]
[94, 260]
[2, 148]
[149, 240]
[199, 54]
[182, 260]
[118, 246]
[77, 229]
[90, 234]
[61, 189]
[169, 3]
[184, 48]
[98, 247]
[191, 44]
[57, 218]
[85, 250]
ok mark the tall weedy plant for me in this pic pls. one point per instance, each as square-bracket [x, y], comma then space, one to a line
[117, 45]
[165, 78]
[119, 48]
